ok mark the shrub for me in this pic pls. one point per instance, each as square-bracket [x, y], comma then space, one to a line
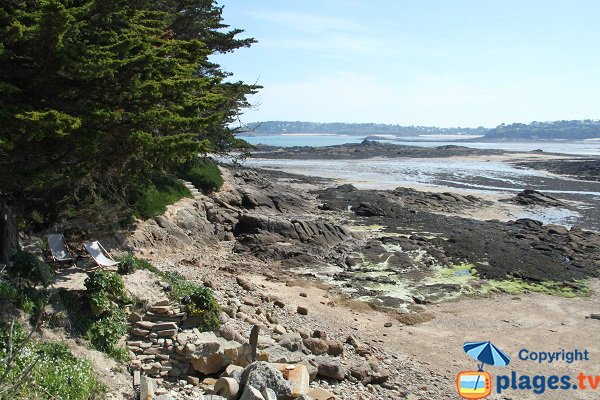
[104, 333]
[30, 300]
[203, 173]
[128, 264]
[8, 292]
[58, 374]
[102, 288]
[153, 199]
[28, 267]
[205, 306]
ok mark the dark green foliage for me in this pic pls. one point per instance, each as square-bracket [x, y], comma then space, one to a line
[8, 292]
[105, 332]
[29, 269]
[154, 198]
[30, 300]
[205, 306]
[57, 373]
[204, 174]
[96, 313]
[104, 288]
[128, 264]
[98, 98]
[569, 130]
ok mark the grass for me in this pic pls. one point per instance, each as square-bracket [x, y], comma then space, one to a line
[203, 173]
[154, 199]
[58, 374]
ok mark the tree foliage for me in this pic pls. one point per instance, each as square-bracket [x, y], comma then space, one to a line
[565, 130]
[98, 96]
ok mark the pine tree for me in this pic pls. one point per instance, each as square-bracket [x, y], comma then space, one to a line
[99, 96]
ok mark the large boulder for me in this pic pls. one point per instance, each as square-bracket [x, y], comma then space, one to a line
[212, 354]
[262, 375]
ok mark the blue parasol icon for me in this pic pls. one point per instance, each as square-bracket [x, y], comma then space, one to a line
[486, 353]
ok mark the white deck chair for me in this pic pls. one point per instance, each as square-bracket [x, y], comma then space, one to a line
[97, 252]
[58, 248]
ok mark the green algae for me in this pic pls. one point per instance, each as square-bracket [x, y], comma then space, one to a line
[466, 275]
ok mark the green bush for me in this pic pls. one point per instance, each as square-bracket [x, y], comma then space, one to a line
[205, 306]
[30, 300]
[58, 374]
[104, 292]
[128, 264]
[8, 292]
[153, 200]
[29, 268]
[104, 333]
[203, 173]
[104, 288]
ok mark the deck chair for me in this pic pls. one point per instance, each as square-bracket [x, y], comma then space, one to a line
[58, 248]
[97, 251]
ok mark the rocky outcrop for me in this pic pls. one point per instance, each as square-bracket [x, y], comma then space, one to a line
[537, 252]
[316, 232]
[179, 232]
[530, 197]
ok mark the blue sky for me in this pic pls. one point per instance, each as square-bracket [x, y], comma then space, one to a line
[419, 62]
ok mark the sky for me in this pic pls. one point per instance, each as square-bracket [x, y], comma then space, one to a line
[440, 63]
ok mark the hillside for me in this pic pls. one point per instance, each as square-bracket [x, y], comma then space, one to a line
[570, 130]
[278, 127]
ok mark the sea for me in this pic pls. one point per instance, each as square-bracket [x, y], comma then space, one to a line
[486, 178]
[585, 147]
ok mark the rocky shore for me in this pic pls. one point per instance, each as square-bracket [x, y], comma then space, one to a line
[283, 262]
[368, 149]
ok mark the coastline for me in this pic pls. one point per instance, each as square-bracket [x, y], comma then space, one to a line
[419, 348]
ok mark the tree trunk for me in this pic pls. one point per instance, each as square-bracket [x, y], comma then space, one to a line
[9, 241]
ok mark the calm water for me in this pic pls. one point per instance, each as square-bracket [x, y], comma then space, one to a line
[590, 147]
